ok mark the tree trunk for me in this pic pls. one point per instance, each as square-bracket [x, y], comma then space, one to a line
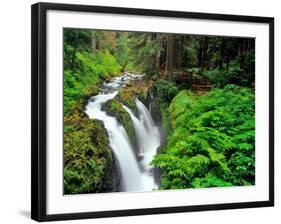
[204, 52]
[239, 50]
[158, 55]
[180, 53]
[199, 55]
[220, 59]
[169, 57]
[124, 66]
[94, 41]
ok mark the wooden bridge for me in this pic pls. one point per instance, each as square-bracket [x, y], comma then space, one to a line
[195, 82]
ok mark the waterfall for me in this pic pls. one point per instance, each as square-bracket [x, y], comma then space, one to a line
[119, 142]
[135, 175]
[148, 136]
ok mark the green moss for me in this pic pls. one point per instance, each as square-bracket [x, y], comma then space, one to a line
[125, 96]
[165, 121]
[88, 160]
[164, 91]
[138, 89]
[180, 104]
[114, 108]
[92, 90]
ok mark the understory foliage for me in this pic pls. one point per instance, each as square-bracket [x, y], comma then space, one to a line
[234, 73]
[88, 161]
[82, 80]
[212, 140]
[164, 91]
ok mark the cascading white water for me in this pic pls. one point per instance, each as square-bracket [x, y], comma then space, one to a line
[135, 175]
[148, 137]
[148, 140]
[118, 141]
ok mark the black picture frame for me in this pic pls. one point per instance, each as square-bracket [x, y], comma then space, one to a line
[39, 108]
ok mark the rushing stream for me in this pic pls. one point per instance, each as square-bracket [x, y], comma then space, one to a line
[136, 174]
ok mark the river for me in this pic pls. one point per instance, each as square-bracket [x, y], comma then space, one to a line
[135, 174]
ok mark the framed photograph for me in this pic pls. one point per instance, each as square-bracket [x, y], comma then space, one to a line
[139, 111]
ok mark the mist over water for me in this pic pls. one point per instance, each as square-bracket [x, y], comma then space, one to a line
[136, 174]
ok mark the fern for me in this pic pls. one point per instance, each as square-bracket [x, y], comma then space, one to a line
[212, 140]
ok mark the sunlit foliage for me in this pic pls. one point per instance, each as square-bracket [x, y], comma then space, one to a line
[212, 141]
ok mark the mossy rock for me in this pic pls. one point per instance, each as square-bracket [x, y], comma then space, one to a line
[88, 160]
[127, 98]
[114, 108]
[93, 90]
[138, 89]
